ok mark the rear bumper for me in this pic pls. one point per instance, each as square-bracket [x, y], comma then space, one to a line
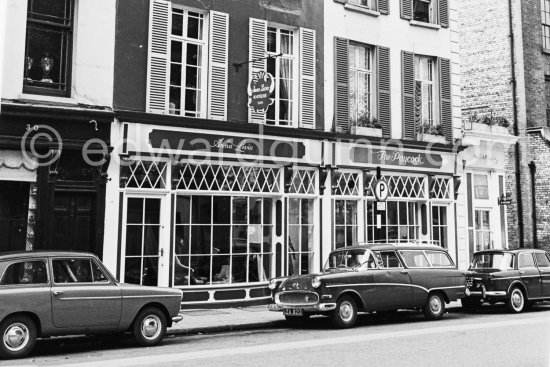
[487, 294]
[318, 307]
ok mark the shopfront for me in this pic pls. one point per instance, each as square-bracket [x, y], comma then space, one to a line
[219, 215]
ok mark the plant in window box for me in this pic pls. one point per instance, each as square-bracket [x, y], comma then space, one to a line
[489, 123]
[431, 133]
[366, 125]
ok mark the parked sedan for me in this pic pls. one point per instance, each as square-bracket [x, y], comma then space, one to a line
[516, 277]
[46, 294]
[372, 278]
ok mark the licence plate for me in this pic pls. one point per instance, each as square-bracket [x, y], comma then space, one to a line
[293, 312]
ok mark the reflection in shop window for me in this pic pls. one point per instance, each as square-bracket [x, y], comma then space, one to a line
[345, 223]
[439, 225]
[400, 220]
[222, 239]
[300, 236]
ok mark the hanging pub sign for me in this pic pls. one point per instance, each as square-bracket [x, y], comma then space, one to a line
[259, 91]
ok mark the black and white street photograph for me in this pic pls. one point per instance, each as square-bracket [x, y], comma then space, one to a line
[275, 183]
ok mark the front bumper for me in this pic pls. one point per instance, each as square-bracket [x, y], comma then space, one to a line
[318, 307]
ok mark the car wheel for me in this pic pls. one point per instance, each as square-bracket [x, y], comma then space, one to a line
[149, 327]
[18, 337]
[470, 304]
[345, 314]
[297, 320]
[434, 307]
[516, 300]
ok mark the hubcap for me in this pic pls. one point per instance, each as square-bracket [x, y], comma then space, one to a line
[16, 337]
[151, 327]
[346, 311]
[517, 299]
[435, 305]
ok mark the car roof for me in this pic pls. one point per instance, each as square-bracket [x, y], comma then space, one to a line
[42, 254]
[511, 251]
[391, 246]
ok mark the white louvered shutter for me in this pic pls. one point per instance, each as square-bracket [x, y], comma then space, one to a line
[217, 84]
[307, 78]
[157, 67]
[257, 50]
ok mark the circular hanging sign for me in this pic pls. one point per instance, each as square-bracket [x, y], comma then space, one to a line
[259, 91]
[381, 191]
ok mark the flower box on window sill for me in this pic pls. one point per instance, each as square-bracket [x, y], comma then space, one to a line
[430, 138]
[493, 129]
[366, 131]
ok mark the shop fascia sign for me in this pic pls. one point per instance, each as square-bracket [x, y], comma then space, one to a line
[217, 143]
[396, 157]
[260, 88]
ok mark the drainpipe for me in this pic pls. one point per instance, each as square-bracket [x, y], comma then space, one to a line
[516, 128]
[533, 170]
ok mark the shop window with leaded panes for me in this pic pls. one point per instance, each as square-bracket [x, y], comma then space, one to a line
[48, 48]
[222, 239]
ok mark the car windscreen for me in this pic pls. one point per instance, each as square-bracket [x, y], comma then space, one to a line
[346, 259]
[501, 261]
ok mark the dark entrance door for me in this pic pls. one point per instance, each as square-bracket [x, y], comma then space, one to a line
[14, 203]
[73, 222]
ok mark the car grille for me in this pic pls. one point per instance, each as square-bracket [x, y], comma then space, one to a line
[298, 298]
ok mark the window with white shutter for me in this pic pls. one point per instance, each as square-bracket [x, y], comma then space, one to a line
[426, 11]
[381, 6]
[288, 54]
[187, 65]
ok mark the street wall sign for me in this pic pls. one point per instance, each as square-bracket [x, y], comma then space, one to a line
[381, 191]
[260, 88]
[395, 157]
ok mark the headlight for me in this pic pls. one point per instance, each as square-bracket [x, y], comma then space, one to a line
[316, 282]
[272, 284]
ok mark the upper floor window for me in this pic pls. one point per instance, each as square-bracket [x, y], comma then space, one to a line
[424, 11]
[187, 64]
[361, 81]
[545, 15]
[282, 65]
[547, 98]
[366, 3]
[187, 61]
[425, 94]
[48, 47]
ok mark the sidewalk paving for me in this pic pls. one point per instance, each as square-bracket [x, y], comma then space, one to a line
[201, 321]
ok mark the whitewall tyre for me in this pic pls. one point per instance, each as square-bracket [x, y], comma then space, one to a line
[516, 300]
[18, 335]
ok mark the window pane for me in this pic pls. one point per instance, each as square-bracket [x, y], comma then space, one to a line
[177, 22]
[176, 51]
[50, 10]
[28, 272]
[194, 26]
[271, 39]
[526, 261]
[481, 187]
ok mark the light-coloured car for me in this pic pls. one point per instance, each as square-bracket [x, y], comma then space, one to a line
[45, 294]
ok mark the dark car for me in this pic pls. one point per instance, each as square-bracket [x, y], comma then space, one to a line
[517, 277]
[46, 294]
[368, 278]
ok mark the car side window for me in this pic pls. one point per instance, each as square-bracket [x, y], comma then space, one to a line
[25, 272]
[542, 260]
[439, 258]
[77, 271]
[526, 260]
[388, 259]
[415, 259]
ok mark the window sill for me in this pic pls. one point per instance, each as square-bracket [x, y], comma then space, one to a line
[416, 23]
[47, 98]
[545, 50]
[361, 9]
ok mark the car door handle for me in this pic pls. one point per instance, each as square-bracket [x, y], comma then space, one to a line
[404, 272]
[522, 272]
[57, 293]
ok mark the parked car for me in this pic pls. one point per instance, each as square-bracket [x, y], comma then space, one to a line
[368, 278]
[517, 277]
[45, 294]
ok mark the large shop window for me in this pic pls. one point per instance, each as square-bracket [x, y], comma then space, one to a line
[300, 236]
[291, 61]
[187, 62]
[222, 239]
[440, 228]
[48, 47]
[398, 222]
[345, 223]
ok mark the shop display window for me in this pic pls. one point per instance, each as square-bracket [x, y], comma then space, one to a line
[300, 236]
[440, 228]
[345, 223]
[400, 220]
[222, 239]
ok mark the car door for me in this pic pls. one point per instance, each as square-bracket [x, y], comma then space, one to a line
[543, 263]
[392, 282]
[83, 295]
[529, 274]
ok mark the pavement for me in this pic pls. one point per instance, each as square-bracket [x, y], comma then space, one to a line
[202, 321]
